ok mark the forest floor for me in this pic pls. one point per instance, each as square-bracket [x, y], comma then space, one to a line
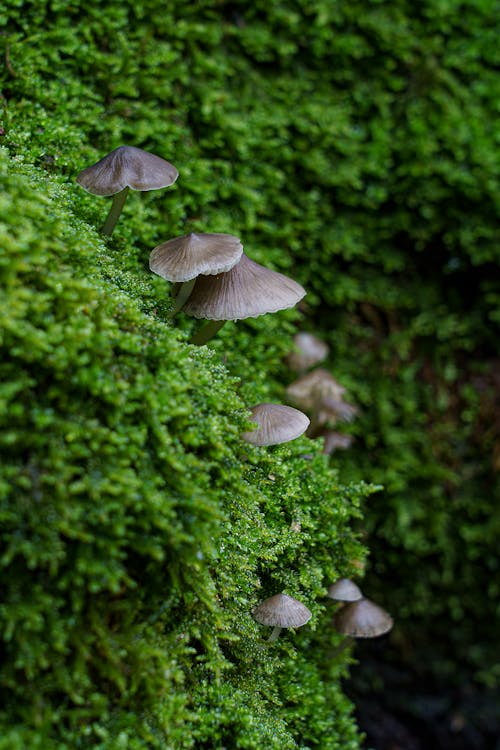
[408, 712]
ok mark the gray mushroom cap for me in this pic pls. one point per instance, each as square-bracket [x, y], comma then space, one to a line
[184, 258]
[282, 611]
[363, 619]
[127, 166]
[335, 409]
[276, 424]
[335, 440]
[246, 291]
[344, 590]
[309, 350]
[317, 384]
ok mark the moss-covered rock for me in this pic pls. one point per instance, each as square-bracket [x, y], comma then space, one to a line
[350, 145]
[138, 530]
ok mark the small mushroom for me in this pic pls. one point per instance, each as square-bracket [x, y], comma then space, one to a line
[319, 392]
[344, 590]
[328, 410]
[276, 424]
[362, 619]
[305, 391]
[183, 259]
[281, 611]
[246, 291]
[335, 441]
[334, 410]
[308, 351]
[125, 168]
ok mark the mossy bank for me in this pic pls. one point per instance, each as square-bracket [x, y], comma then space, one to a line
[350, 146]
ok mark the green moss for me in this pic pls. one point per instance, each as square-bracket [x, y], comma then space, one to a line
[351, 146]
[138, 531]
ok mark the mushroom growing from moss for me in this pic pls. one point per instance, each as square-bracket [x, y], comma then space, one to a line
[304, 392]
[329, 411]
[334, 441]
[127, 167]
[363, 619]
[308, 351]
[246, 291]
[276, 424]
[335, 410]
[281, 611]
[344, 590]
[183, 259]
[319, 392]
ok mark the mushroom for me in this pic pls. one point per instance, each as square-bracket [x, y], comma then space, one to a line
[281, 611]
[344, 590]
[305, 391]
[276, 424]
[322, 394]
[125, 167]
[308, 351]
[246, 291]
[334, 441]
[183, 259]
[333, 410]
[362, 619]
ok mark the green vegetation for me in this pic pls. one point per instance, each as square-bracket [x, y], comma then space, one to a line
[351, 146]
[139, 531]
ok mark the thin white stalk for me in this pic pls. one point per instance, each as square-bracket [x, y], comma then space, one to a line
[207, 332]
[183, 295]
[115, 211]
[274, 635]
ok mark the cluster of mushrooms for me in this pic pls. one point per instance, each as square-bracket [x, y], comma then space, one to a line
[318, 392]
[215, 280]
[356, 616]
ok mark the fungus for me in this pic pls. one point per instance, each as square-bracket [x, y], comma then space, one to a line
[183, 259]
[309, 350]
[362, 619]
[328, 410]
[344, 590]
[305, 391]
[334, 441]
[246, 291]
[125, 168]
[276, 424]
[319, 392]
[333, 410]
[281, 611]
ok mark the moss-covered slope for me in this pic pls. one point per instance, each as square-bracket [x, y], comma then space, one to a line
[138, 530]
[353, 146]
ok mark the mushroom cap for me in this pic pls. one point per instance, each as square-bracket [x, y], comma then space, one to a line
[282, 611]
[333, 410]
[309, 350]
[246, 291]
[316, 384]
[276, 424]
[335, 440]
[127, 166]
[363, 619]
[184, 258]
[344, 590]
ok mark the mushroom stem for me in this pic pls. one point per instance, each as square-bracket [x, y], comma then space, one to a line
[207, 332]
[115, 211]
[274, 635]
[315, 424]
[183, 295]
[314, 428]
